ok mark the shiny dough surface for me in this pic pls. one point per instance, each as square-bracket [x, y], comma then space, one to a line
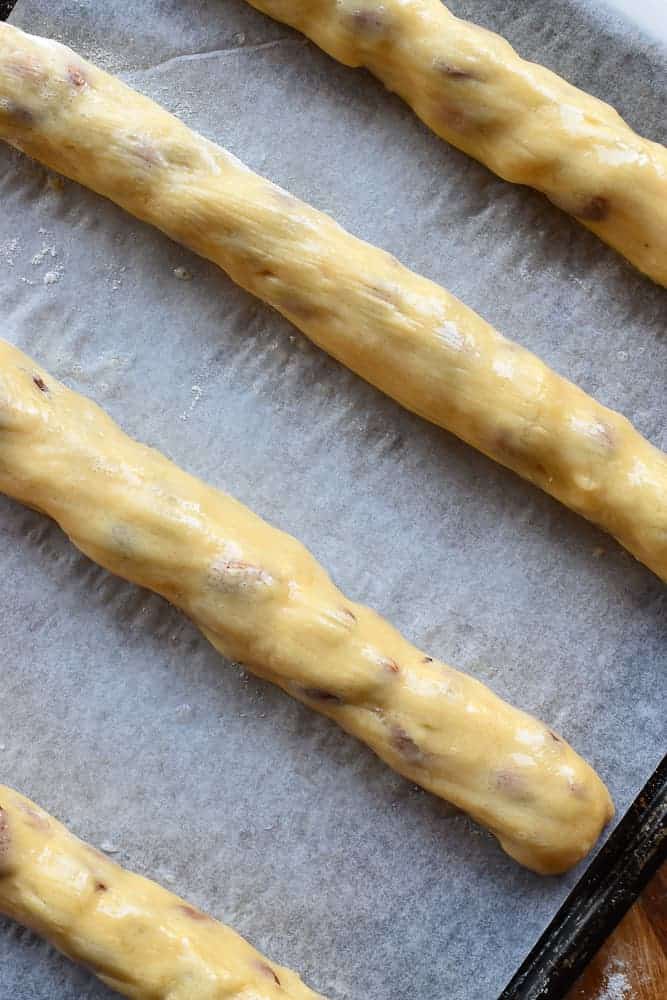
[521, 120]
[399, 331]
[262, 599]
[137, 937]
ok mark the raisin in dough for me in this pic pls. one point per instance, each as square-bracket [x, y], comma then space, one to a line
[397, 330]
[263, 600]
[521, 120]
[140, 939]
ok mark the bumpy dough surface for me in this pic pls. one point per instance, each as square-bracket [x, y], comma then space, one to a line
[521, 120]
[262, 599]
[140, 939]
[399, 331]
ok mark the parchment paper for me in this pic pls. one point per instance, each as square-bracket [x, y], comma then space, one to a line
[116, 715]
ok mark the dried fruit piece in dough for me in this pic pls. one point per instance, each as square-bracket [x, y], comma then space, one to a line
[263, 600]
[140, 939]
[521, 120]
[399, 331]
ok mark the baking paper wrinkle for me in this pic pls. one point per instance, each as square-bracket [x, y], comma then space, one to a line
[221, 53]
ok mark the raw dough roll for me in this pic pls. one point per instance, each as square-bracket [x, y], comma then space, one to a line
[397, 330]
[263, 600]
[519, 119]
[140, 939]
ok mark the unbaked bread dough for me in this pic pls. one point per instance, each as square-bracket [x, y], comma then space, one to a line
[264, 601]
[399, 331]
[140, 939]
[521, 120]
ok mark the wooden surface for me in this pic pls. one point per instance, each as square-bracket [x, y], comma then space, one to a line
[632, 964]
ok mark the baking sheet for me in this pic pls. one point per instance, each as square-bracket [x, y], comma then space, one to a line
[116, 715]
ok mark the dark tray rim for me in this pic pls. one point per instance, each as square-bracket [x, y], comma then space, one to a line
[606, 890]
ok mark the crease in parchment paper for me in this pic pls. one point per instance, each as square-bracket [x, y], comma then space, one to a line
[240, 49]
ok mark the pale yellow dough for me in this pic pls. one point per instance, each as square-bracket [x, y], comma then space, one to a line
[141, 940]
[399, 331]
[263, 600]
[521, 120]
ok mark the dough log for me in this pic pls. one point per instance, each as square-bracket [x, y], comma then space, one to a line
[140, 939]
[263, 600]
[521, 120]
[399, 331]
